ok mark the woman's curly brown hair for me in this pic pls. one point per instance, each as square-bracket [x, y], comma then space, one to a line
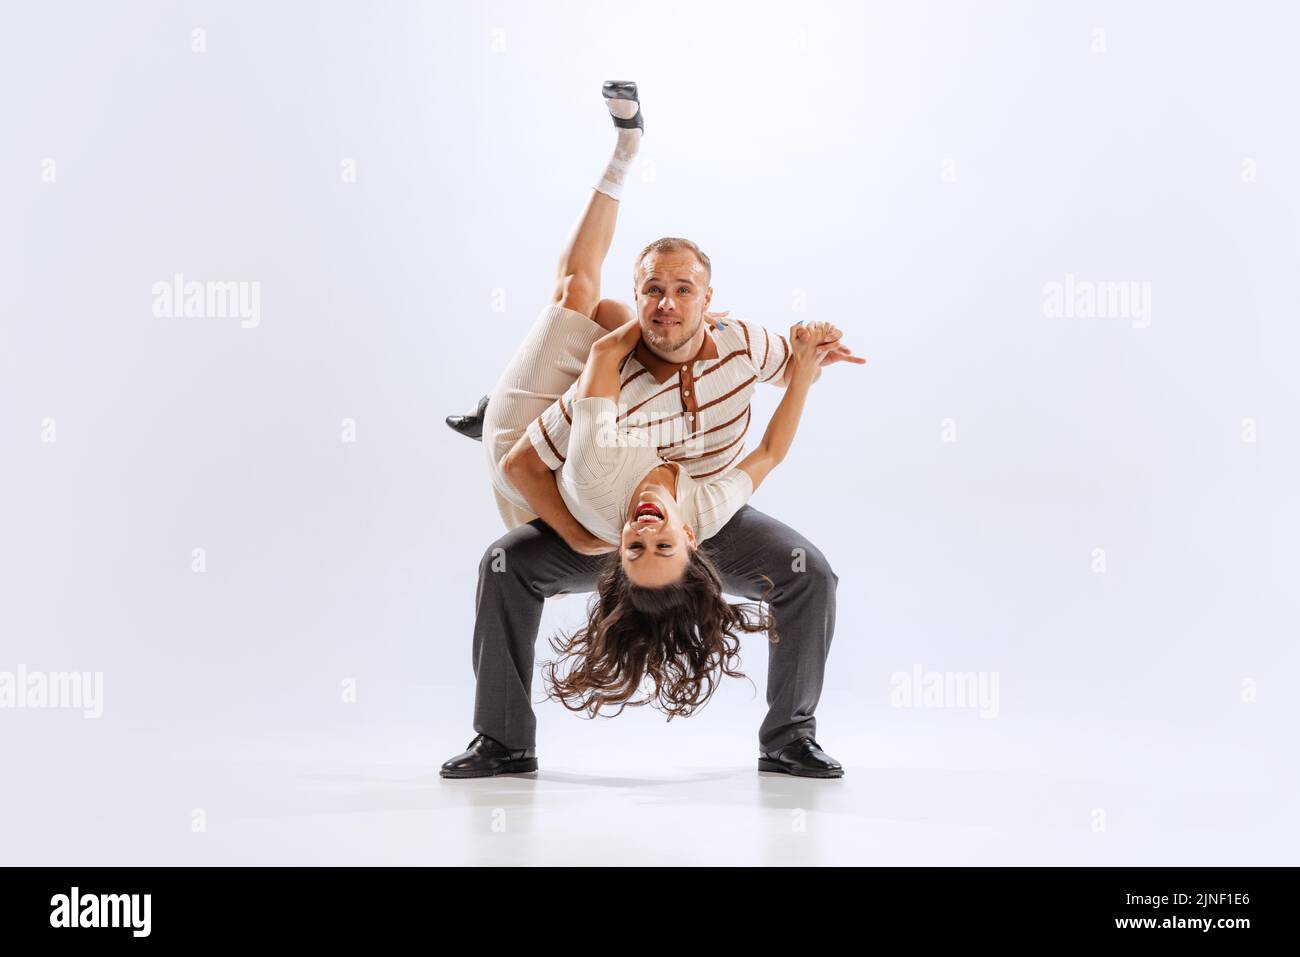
[680, 636]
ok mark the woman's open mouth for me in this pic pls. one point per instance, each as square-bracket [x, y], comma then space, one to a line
[648, 512]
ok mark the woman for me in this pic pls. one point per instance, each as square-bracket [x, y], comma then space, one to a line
[659, 612]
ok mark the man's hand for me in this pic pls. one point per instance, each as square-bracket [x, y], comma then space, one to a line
[535, 481]
[585, 543]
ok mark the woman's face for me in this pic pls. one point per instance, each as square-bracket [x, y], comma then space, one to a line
[656, 543]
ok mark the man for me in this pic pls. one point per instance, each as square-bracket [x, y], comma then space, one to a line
[675, 371]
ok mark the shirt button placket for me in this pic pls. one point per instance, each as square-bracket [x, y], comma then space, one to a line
[689, 404]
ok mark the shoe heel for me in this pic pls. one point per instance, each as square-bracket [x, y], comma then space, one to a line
[767, 764]
[523, 766]
[624, 90]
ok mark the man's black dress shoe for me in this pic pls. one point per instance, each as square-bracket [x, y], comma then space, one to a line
[803, 757]
[470, 425]
[487, 756]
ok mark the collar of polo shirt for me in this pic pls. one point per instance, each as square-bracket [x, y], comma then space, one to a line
[662, 369]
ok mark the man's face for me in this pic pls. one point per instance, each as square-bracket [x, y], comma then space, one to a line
[671, 297]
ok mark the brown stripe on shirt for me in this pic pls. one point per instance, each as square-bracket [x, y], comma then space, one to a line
[780, 367]
[723, 469]
[633, 376]
[717, 451]
[717, 428]
[720, 363]
[728, 395]
[547, 437]
[668, 388]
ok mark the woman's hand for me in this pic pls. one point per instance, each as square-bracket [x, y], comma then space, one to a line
[585, 543]
[712, 318]
[623, 339]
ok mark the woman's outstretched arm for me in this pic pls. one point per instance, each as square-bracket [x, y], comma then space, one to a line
[806, 351]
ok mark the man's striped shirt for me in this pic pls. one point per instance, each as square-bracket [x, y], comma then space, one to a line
[696, 413]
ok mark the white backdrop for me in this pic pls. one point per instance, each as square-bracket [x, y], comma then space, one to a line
[1096, 510]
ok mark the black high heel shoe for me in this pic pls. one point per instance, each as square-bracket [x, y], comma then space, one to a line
[470, 426]
[624, 90]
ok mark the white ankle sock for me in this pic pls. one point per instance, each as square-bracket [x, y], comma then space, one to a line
[625, 150]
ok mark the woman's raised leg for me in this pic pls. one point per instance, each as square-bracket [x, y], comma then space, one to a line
[577, 284]
[534, 376]
[578, 275]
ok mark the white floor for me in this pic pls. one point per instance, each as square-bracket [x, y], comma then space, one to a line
[641, 792]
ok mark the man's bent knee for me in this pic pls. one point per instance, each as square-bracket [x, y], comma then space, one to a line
[811, 568]
[517, 548]
[509, 548]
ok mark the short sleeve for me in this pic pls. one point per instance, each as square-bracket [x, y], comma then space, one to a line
[769, 351]
[549, 432]
[718, 500]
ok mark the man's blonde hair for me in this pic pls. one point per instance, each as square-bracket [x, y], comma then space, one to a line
[673, 244]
